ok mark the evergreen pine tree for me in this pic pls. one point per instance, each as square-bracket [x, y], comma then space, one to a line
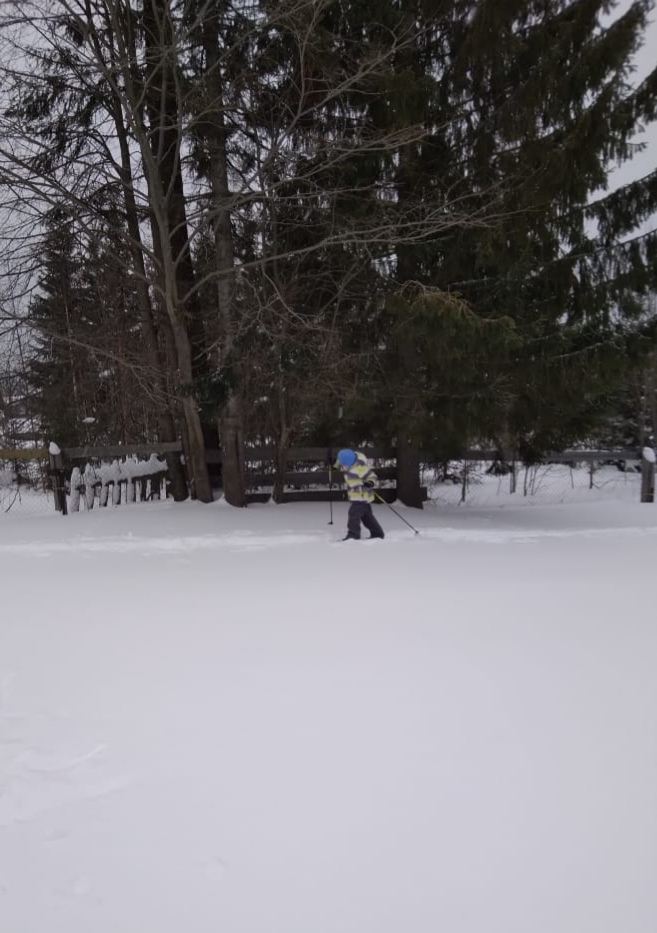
[525, 109]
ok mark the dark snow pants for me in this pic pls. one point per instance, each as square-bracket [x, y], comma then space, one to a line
[362, 512]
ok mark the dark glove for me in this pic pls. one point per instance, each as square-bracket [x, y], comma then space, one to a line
[368, 484]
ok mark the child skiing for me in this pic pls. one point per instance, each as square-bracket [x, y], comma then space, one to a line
[359, 478]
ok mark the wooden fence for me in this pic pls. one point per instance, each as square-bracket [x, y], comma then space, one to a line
[312, 476]
[309, 478]
[76, 479]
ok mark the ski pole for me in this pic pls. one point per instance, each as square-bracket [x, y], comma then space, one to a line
[396, 513]
[330, 466]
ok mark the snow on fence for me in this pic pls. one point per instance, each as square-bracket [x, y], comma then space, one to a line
[120, 482]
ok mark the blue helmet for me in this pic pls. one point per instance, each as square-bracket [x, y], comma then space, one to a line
[346, 457]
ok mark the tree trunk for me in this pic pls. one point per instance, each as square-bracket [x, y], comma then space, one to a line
[165, 419]
[169, 223]
[281, 448]
[232, 453]
[408, 453]
[162, 107]
[508, 449]
[409, 490]
[408, 175]
[200, 481]
[231, 429]
[198, 468]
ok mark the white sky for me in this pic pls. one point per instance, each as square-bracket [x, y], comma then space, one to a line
[646, 161]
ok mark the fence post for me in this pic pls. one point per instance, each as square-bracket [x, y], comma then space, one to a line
[648, 474]
[57, 474]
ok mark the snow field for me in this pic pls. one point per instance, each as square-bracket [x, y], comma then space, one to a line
[222, 720]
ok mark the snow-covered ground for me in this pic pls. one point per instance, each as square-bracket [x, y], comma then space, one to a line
[220, 720]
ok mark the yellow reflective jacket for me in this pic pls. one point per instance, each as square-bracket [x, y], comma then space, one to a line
[354, 478]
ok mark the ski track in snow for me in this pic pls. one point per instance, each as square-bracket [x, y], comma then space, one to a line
[130, 544]
[246, 541]
[24, 802]
[42, 769]
[36, 782]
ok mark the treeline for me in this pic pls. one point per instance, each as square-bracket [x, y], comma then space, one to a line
[319, 222]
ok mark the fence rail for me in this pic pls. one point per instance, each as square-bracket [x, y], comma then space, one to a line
[295, 454]
[24, 453]
[565, 456]
[125, 450]
[317, 454]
